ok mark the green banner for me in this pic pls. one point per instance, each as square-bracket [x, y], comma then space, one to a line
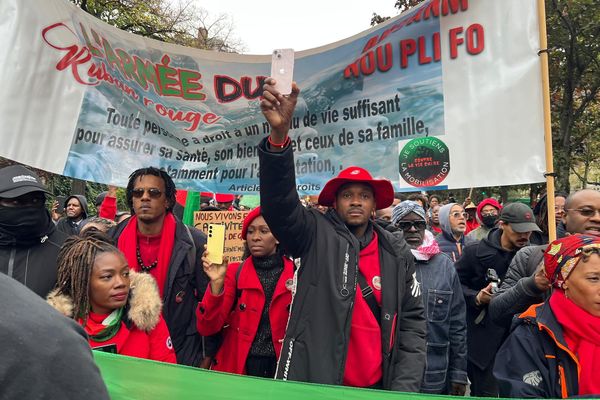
[135, 378]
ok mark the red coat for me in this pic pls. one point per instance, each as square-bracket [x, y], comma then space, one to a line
[241, 324]
[134, 342]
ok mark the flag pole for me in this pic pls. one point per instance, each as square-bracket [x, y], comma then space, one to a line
[543, 53]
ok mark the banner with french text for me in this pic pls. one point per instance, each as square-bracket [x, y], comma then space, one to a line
[446, 95]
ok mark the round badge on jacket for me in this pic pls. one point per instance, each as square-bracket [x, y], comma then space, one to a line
[289, 284]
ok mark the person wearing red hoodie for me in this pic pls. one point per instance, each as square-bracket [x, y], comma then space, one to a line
[487, 213]
[119, 310]
[249, 302]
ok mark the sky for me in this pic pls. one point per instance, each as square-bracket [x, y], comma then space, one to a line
[264, 25]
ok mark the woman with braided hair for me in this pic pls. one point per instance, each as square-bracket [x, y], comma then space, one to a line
[120, 310]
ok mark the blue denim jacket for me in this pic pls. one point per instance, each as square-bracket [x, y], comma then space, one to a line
[446, 324]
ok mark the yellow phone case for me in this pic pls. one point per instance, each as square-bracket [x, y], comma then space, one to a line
[215, 244]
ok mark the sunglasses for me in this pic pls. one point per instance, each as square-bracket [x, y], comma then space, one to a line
[419, 225]
[153, 193]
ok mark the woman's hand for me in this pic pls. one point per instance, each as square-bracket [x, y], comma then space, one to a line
[215, 272]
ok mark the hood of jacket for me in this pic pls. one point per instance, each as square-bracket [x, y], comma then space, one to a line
[487, 202]
[82, 201]
[143, 306]
[444, 216]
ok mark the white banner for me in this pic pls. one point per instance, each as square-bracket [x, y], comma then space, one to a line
[447, 95]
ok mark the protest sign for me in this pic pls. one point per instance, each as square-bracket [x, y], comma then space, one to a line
[446, 95]
[233, 221]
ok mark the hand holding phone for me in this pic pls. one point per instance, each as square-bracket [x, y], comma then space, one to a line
[215, 245]
[282, 69]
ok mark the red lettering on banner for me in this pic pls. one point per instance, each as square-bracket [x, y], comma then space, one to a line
[228, 89]
[475, 35]
[75, 56]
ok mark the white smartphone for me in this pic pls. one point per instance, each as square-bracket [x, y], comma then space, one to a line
[282, 69]
[215, 245]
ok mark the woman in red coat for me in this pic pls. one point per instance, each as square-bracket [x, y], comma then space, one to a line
[249, 303]
[120, 310]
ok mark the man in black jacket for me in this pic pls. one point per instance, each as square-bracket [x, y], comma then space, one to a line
[494, 252]
[155, 242]
[29, 241]
[357, 315]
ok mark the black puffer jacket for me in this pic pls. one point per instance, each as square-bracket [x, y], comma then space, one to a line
[318, 332]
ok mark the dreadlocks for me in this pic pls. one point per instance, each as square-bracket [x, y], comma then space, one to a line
[75, 263]
[170, 190]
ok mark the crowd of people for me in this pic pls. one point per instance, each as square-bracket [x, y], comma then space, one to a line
[359, 286]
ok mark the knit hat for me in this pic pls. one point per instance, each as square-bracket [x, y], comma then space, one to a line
[405, 208]
[382, 188]
[252, 215]
[563, 255]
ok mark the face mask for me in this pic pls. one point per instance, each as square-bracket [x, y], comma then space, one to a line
[22, 225]
[489, 220]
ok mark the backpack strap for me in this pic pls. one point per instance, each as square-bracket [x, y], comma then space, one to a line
[369, 296]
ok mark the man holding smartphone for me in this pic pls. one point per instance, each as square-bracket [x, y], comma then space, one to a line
[357, 315]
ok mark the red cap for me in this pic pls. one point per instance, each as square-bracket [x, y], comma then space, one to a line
[382, 188]
[248, 220]
[224, 198]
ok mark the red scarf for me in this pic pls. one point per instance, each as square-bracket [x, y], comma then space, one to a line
[128, 242]
[582, 333]
[94, 326]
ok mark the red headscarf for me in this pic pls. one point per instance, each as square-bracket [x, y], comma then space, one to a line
[563, 255]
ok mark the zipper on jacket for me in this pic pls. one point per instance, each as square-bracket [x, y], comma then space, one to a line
[344, 292]
[298, 263]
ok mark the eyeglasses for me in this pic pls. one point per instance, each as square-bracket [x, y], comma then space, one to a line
[138, 193]
[458, 214]
[585, 212]
[489, 214]
[419, 225]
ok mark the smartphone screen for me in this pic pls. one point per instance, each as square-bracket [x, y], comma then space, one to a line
[215, 244]
[61, 204]
[282, 69]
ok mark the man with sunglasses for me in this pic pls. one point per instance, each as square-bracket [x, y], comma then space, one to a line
[446, 368]
[154, 241]
[495, 252]
[29, 240]
[357, 315]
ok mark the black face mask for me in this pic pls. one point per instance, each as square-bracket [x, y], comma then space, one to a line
[489, 221]
[24, 225]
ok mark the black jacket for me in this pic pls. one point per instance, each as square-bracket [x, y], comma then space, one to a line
[532, 361]
[34, 266]
[317, 336]
[66, 224]
[484, 338]
[518, 291]
[44, 354]
[184, 288]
